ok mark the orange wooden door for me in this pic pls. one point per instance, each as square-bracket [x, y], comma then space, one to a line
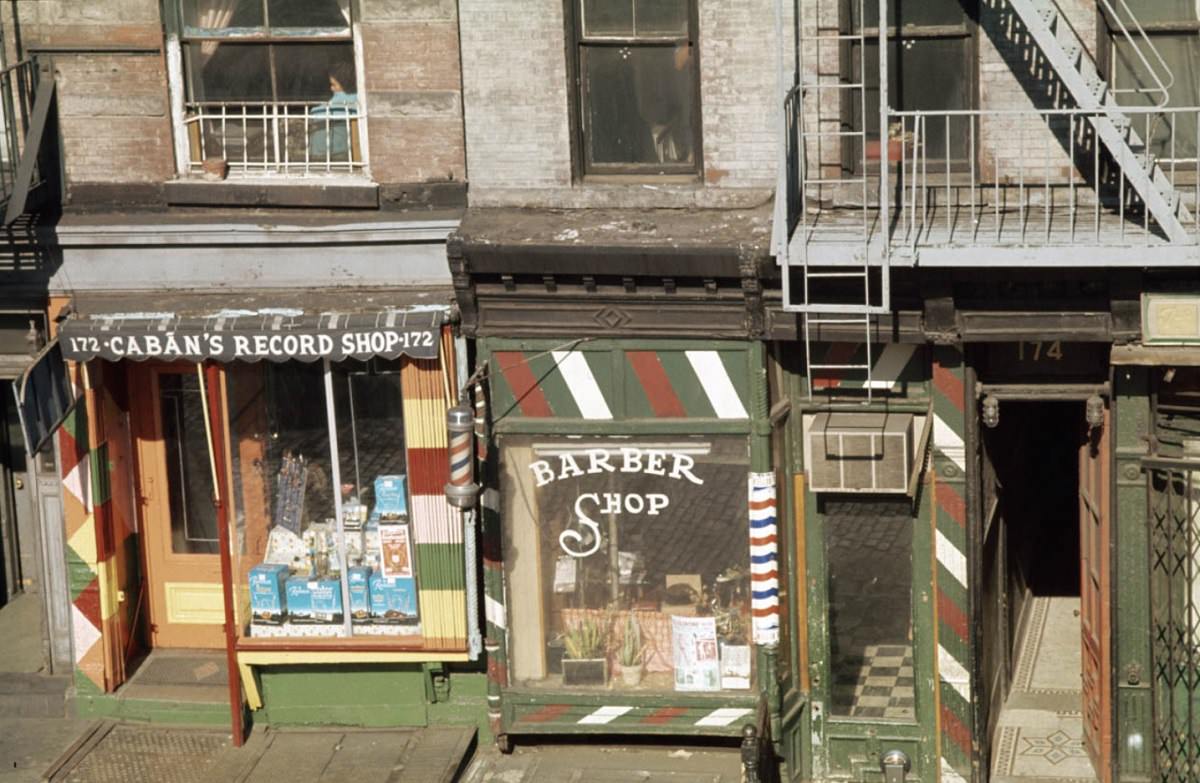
[183, 567]
[1095, 526]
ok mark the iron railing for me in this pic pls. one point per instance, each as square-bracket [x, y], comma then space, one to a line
[1019, 177]
[18, 85]
[275, 137]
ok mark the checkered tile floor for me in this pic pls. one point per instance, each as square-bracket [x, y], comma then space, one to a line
[877, 684]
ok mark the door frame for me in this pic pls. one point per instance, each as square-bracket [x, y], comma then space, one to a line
[1033, 391]
[153, 505]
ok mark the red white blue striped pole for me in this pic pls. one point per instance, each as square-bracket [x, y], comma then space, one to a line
[461, 491]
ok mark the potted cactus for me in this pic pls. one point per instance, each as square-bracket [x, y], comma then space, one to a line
[585, 660]
[632, 653]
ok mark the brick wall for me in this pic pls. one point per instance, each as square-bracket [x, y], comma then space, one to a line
[113, 108]
[518, 116]
[414, 104]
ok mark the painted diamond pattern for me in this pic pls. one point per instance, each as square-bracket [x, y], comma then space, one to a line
[612, 317]
[1055, 748]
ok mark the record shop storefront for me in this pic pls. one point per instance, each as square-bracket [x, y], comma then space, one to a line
[268, 481]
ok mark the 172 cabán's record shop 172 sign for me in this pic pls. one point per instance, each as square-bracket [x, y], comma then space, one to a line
[254, 336]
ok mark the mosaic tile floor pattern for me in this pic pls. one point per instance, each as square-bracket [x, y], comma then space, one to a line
[1040, 736]
[878, 684]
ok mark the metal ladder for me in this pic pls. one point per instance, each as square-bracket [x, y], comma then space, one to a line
[1064, 50]
[818, 308]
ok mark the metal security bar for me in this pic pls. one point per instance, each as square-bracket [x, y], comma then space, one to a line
[1174, 541]
[259, 138]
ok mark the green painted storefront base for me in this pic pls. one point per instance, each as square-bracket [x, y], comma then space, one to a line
[614, 712]
[371, 696]
[90, 702]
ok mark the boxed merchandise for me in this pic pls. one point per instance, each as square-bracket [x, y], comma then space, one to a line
[314, 600]
[391, 498]
[267, 603]
[359, 578]
[393, 600]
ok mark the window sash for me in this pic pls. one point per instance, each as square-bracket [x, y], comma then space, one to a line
[264, 33]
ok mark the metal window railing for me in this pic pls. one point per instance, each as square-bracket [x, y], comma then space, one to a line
[297, 138]
[18, 85]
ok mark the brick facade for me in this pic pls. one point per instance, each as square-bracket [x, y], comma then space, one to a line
[519, 117]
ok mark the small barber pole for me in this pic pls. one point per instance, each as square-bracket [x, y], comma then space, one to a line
[461, 491]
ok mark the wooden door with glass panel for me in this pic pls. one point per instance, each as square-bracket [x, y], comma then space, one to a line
[175, 492]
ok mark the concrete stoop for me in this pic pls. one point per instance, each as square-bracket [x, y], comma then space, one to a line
[33, 695]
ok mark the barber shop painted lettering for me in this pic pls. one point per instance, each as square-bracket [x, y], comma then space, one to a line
[585, 539]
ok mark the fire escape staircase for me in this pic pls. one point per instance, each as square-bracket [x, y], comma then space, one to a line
[824, 316]
[1074, 66]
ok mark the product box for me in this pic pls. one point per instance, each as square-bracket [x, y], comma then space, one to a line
[393, 601]
[359, 578]
[314, 600]
[391, 498]
[267, 603]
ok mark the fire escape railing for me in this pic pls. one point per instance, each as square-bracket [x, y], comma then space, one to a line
[26, 96]
[1088, 169]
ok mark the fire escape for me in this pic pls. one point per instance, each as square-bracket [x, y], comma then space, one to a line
[1083, 175]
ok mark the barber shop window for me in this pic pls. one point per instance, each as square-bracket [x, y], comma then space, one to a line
[639, 108]
[270, 87]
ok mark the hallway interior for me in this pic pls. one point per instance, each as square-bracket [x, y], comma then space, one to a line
[1039, 738]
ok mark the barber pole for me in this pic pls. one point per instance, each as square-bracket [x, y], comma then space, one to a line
[462, 490]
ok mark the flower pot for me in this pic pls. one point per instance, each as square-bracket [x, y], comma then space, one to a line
[631, 676]
[585, 671]
[895, 150]
[554, 656]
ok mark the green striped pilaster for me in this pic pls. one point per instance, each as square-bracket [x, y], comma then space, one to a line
[949, 485]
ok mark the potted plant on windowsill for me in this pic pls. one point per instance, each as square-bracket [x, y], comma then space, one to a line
[899, 144]
[632, 653]
[585, 659]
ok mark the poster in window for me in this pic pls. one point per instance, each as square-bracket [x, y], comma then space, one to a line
[694, 647]
[397, 554]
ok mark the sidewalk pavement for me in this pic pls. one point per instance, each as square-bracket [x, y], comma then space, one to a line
[108, 752]
[29, 745]
[593, 763]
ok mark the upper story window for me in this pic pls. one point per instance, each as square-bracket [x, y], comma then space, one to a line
[270, 86]
[639, 108]
[1173, 28]
[931, 59]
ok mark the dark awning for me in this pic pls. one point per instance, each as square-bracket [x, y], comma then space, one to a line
[276, 326]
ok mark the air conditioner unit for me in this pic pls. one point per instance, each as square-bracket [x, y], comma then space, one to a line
[861, 452]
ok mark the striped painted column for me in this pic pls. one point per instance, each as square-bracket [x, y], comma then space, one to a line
[764, 559]
[662, 384]
[437, 527]
[949, 481]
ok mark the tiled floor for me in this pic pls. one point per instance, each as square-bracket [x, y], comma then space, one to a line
[1040, 736]
[878, 684]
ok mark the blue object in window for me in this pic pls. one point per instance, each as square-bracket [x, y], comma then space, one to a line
[330, 129]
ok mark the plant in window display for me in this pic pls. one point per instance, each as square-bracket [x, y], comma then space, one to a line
[585, 659]
[631, 654]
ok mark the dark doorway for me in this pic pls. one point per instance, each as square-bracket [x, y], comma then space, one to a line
[1035, 455]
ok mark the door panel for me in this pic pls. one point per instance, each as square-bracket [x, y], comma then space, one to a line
[1095, 526]
[178, 518]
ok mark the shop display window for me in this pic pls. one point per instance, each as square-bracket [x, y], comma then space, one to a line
[303, 574]
[627, 562]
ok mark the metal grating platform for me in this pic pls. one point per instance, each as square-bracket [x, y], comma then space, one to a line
[128, 753]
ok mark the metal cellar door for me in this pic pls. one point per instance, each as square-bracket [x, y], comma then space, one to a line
[1095, 525]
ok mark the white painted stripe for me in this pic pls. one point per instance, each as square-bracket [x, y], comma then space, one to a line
[722, 717]
[886, 372]
[759, 514]
[762, 549]
[948, 441]
[495, 611]
[952, 559]
[582, 383]
[953, 673]
[86, 634]
[78, 482]
[765, 584]
[716, 384]
[604, 715]
[949, 775]
[763, 568]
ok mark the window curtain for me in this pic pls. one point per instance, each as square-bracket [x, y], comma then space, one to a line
[214, 15]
